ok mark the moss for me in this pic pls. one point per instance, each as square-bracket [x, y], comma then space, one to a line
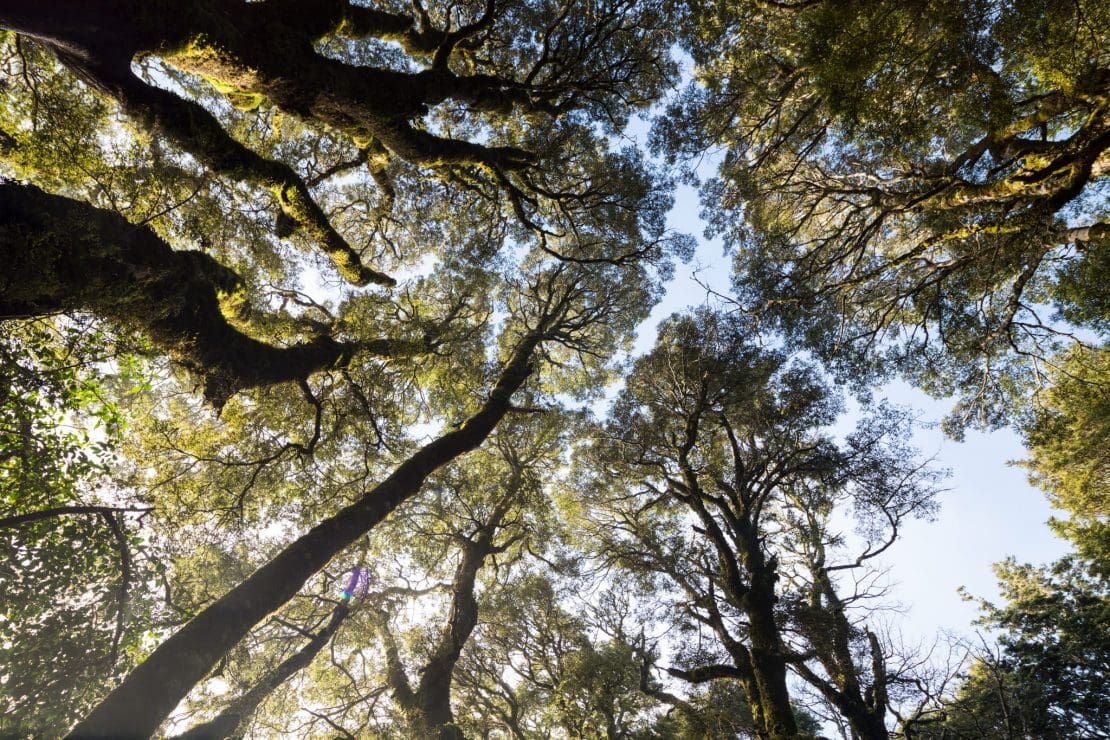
[245, 101]
[238, 83]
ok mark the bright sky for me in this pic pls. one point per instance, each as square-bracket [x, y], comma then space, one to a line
[988, 513]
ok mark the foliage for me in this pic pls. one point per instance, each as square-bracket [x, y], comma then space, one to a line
[908, 185]
[297, 452]
[69, 623]
[538, 666]
[1067, 433]
[311, 288]
[49, 375]
[715, 483]
[1048, 678]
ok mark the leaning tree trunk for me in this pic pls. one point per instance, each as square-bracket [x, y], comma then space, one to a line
[229, 722]
[146, 697]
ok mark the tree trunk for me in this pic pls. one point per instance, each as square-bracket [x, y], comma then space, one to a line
[768, 661]
[98, 41]
[141, 703]
[428, 708]
[433, 695]
[64, 255]
[830, 636]
[264, 53]
[231, 719]
[769, 669]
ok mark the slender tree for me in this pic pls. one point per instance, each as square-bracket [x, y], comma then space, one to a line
[143, 700]
[229, 721]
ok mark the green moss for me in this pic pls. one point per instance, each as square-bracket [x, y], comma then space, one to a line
[236, 82]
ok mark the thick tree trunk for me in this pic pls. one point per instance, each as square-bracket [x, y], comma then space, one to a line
[771, 701]
[228, 722]
[146, 697]
[748, 579]
[769, 668]
[763, 665]
[257, 53]
[263, 52]
[767, 659]
[63, 255]
[98, 41]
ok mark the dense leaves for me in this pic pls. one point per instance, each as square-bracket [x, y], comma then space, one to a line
[1048, 677]
[908, 184]
[310, 309]
[1068, 433]
[67, 554]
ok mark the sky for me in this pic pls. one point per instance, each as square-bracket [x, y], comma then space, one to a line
[988, 511]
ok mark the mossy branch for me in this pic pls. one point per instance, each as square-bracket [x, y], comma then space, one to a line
[64, 255]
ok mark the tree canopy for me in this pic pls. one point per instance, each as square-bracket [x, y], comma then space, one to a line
[319, 411]
[736, 491]
[914, 185]
[1047, 676]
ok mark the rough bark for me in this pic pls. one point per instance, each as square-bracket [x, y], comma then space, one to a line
[63, 255]
[767, 657]
[98, 41]
[145, 698]
[759, 662]
[258, 53]
[433, 693]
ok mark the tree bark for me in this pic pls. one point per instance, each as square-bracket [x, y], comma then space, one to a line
[145, 698]
[98, 41]
[264, 52]
[768, 659]
[740, 554]
[428, 707]
[228, 722]
[63, 255]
